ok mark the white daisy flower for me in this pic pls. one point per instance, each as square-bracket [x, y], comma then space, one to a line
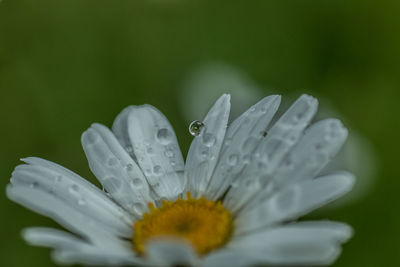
[235, 202]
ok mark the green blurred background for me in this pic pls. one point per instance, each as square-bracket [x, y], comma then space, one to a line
[66, 64]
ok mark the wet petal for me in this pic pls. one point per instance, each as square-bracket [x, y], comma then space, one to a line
[294, 201]
[205, 148]
[157, 150]
[116, 170]
[62, 195]
[241, 140]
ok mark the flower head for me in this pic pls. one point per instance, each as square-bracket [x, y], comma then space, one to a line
[235, 202]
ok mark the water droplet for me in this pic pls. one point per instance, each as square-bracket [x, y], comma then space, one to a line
[164, 136]
[147, 172]
[74, 188]
[318, 146]
[90, 137]
[169, 153]
[195, 128]
[113, 161]
[136, 182]
[150, 150]
[208, 140]
[204, 154]
[138, 207]
[129, 149]
[34, 184]
[112, 184]
[157, 170]
[246, 158]
[263, 109]
[233, 159]
[173, 163]
[129, 167]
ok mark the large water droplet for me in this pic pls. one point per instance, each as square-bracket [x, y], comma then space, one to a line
[164, 136]
[195, 128]
[208, 140]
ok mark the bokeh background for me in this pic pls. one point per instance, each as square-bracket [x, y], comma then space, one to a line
[66, 64]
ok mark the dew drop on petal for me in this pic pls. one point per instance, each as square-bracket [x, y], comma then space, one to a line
[157, 170]
[129, 167]
[81, 202]
[74, 188]
[136, 182]
[233, 159]
[195, 127]
[150, 150]
[169, 153]
[208, 140]
[164, 136]
[113, 161]
[90, 137]
[111, 184]
[138, 207]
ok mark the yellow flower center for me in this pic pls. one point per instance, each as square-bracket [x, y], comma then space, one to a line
[205, 224]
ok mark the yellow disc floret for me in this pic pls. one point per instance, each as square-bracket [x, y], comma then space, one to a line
[205, 224]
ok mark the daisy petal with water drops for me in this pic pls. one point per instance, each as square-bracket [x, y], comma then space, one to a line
[235, 202]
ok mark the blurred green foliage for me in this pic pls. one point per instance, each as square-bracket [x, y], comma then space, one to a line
[66, 64]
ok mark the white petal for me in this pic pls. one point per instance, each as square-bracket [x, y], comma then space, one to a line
[115, 169]
[96, 258]
[170, 252]
[49, 237]
[71, 249]
[304, 243]
[120, 130]
[157, 150]
[294, 201]
[282, 136]
[314, 150]
[241, 140]
[56, 192]
[205, 148]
